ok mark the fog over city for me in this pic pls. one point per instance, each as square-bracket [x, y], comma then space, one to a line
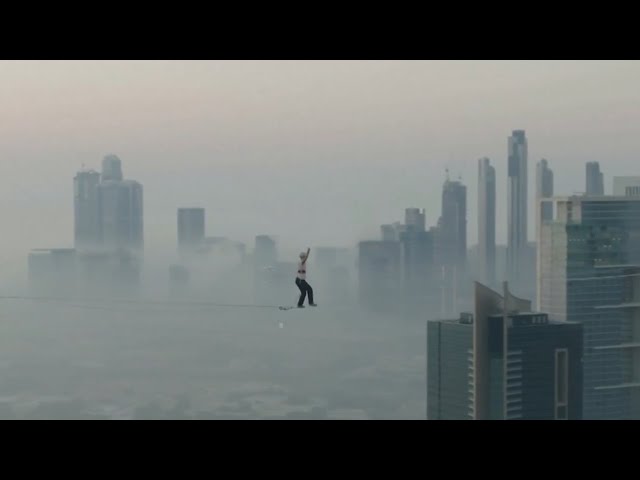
[154, 213]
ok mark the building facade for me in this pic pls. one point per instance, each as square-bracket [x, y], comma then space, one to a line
[86, 203]
[503, 362]
[588, 272]
[594, 179]
[121, 215]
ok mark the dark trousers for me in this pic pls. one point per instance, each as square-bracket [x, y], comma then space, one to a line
[305, 289]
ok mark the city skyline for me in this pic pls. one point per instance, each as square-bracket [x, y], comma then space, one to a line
[170, 139]
[474, 225]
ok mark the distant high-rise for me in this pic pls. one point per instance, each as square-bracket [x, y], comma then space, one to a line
[86, 205]
[415, 219]
[111, 168]
[544, 189]
[392, 232]
[108, 211]
[517, 205]
[626, 186]
[451, 245]
[487, 221]
[452, 225]
[121, 215]
[595, 179]
[388, 233]
[191, 228]
[503, 362]
[589, 272]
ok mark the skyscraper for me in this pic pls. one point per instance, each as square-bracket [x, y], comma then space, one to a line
[594, 179]
[589, 272]
[452, 225]
[414, 219]
[86, 205]
[487, 221]
[451, 245]
[544, 189]
[111, 168]
[392, 232]
[517, 205]
[503, 362]
[191, 228]
[388, 233]
[121, 215]
[108, 211]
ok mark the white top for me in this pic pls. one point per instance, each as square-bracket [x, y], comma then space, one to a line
[302, 270]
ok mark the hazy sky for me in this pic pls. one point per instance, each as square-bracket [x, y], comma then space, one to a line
[316, 152]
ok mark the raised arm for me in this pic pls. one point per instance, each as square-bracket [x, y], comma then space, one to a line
[306, 256]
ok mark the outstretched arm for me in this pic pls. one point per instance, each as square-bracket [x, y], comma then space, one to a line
[306, 257]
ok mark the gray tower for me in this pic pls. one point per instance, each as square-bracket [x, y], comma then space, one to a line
[589, 272]
[595, 179]
[414, 219]
[121, 215]
[517, 206]
[544, 189]
[86, 209]
[487, 221]
[111, 168]
[452, 225]
[451, 245]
